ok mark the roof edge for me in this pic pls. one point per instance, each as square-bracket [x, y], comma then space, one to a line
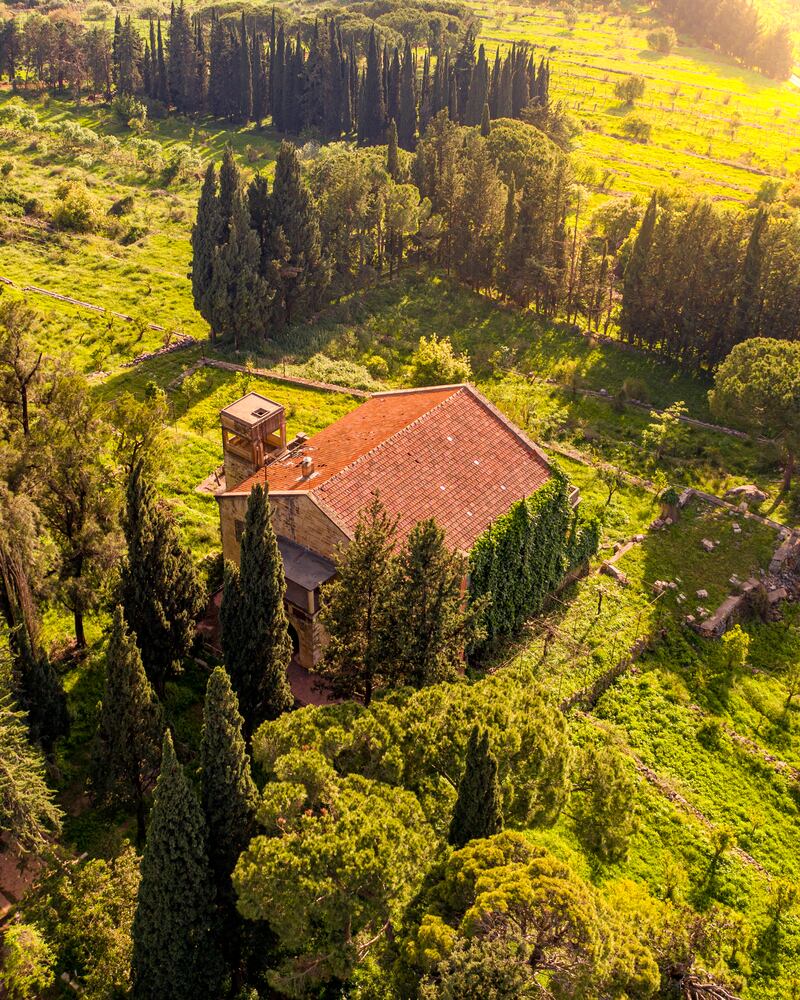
[508, 424]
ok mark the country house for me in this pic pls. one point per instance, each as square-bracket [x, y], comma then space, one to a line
[444, 452]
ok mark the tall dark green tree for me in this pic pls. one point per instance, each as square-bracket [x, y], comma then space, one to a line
[636, 309]
[229, 798]
[255, 630]
[159, 589]
[238, 297]
[230, 181]
[372, 108]
[206, 236]
[295, 227]
[356, 608]
[431, 624]
[127, 749]
[478, 810]
[407, 120]
[749, 303]
[392, 160]
[175, 943]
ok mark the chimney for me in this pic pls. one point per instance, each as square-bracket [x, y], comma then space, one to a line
[307, 466]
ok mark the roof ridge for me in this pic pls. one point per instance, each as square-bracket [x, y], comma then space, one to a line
[403, 430]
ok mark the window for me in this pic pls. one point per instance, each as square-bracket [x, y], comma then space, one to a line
[238, 529]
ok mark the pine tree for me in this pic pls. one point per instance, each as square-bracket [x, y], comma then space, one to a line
[635, 312]
[130, 729]
[229, 798]
[174, 933]
[392, 161]
[206, 236]
[356, 608]
[478, 810]
[239, 297]
[255, 630]
[159, 589]
[295, 215]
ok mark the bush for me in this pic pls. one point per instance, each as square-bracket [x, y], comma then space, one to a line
[18, 116]
[637, 127]
[122, 206]
[662, 40]
[184, 162]
[76, 135]
[630, 88]
[7, 167]
[77, 209]
[130, 111]
[435, 363]
[635, 389]
[99, 11]
[148, 153]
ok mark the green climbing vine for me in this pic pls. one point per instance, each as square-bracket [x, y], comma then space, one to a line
[523, 556]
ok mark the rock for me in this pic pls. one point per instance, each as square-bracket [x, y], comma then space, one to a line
[690, 619]
[659, 586]
[746, 494]
[617, 546]
[734, 581]
[658, 523]
[777, 595]
[678, 579]
[702, 593]
[707, 544]
[667, 520]
[636, 538]
[616, 574]
[737, 530]
[672, 585]
[681, 598]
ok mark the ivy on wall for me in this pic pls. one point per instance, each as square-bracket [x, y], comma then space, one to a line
[522, 557]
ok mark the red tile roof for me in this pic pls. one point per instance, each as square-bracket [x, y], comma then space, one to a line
[444, 452]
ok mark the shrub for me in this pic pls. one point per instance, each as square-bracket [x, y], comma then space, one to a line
[435, 363]
[28, 962]
[122, 206]
[662, 40]
[184, 162]
[630, 88]
[130, 111]
[148, 152]
[35, 208]
[77, 209]
[76, 135]
[7, 167]
[637, 127]
[635, 389]
[99, 11]
[18, 116]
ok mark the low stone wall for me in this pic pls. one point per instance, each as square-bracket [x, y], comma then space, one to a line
[305, 383]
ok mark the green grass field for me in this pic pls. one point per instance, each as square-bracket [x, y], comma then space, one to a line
[718, 130]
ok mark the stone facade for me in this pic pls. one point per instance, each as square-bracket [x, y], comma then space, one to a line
[298, 518]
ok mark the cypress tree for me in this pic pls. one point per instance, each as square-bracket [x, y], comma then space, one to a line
[635, 310]
[245, 75]
[372, 109]
[296, 218]
[276, 81]
[255, 630]
[431, 625]
[147, 70]
[486, 122]
[159, 589]
[478, 811]
[392, 162]
[174, 928]
[510, 218]
[239, 298]
[161, 67]
[229, 183]
[229, 799]
[130, 729]
[40, 692]
[749, 303]
[478, 90]
[356, 608]
[393, 87]
[407, 122]
[206, 235]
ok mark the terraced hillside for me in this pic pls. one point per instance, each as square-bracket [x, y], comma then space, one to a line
[717, 129]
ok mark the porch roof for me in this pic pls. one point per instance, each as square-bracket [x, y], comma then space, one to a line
[303, 567]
